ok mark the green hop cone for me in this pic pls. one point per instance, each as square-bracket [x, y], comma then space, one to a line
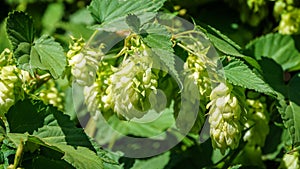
[196, 70]
[50, 95]
[290, 22]
[8, 87]
[257, 119]
[290, 161]
[95, 97]
[131, 85]
[225, 115]
[83, 63]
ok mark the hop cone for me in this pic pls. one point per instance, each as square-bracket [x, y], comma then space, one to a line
[95, 97]
[83, 63]
[8, 87]
[196, 71]
[130, 86]
[290, 161]
[224, 119]
[50, 95]
[256, 121]
[290, 22]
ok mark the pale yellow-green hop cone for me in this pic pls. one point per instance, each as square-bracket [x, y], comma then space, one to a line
[196, 70]
[83, 62]
[95, 96]
[290, 22]
[130, 86]
[224, 119]
[50, 95]
[257, 119]
[8, 81]
[290, 161]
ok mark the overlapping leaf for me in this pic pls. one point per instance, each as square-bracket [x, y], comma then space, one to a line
[111, 14]
[44, 53]
[50, 128]
[279, 47]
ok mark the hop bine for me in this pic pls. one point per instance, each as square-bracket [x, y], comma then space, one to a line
[225, 116]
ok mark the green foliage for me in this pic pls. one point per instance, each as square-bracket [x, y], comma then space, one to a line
[240, 74]
[79, 78]
[281, 48]
[43, 53]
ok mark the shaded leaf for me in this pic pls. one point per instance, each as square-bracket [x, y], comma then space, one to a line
[158, 162]
[19, 27]
[279, 47]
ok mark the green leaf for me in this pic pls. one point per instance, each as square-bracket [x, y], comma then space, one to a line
[46, 54]
[81, 157]
[156, 36]
[273, 75]
[279, 47]
[226, 45]
[240, 74]
[111, 14]
[109, 10]
[53, 130]
[216, 32]
[45, 122]
[291, 119]
[133, 22]
[158, 162]
[52, 16]
[19, 27]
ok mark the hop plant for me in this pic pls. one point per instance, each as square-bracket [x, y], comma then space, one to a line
[290, 161]
[257, 119]
[50, 95]
[130, 86]
[95, 97]
[225, 116]
[8, 87]
[83, 62]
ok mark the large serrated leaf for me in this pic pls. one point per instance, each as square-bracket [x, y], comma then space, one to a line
[81, 157]
[45, 122]
[279, 47]
[157, 36]
[46, 54]
[109, 10]
[54, 130]
[291, 118]
[240, 74]
[19, 27]
[111, 14]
